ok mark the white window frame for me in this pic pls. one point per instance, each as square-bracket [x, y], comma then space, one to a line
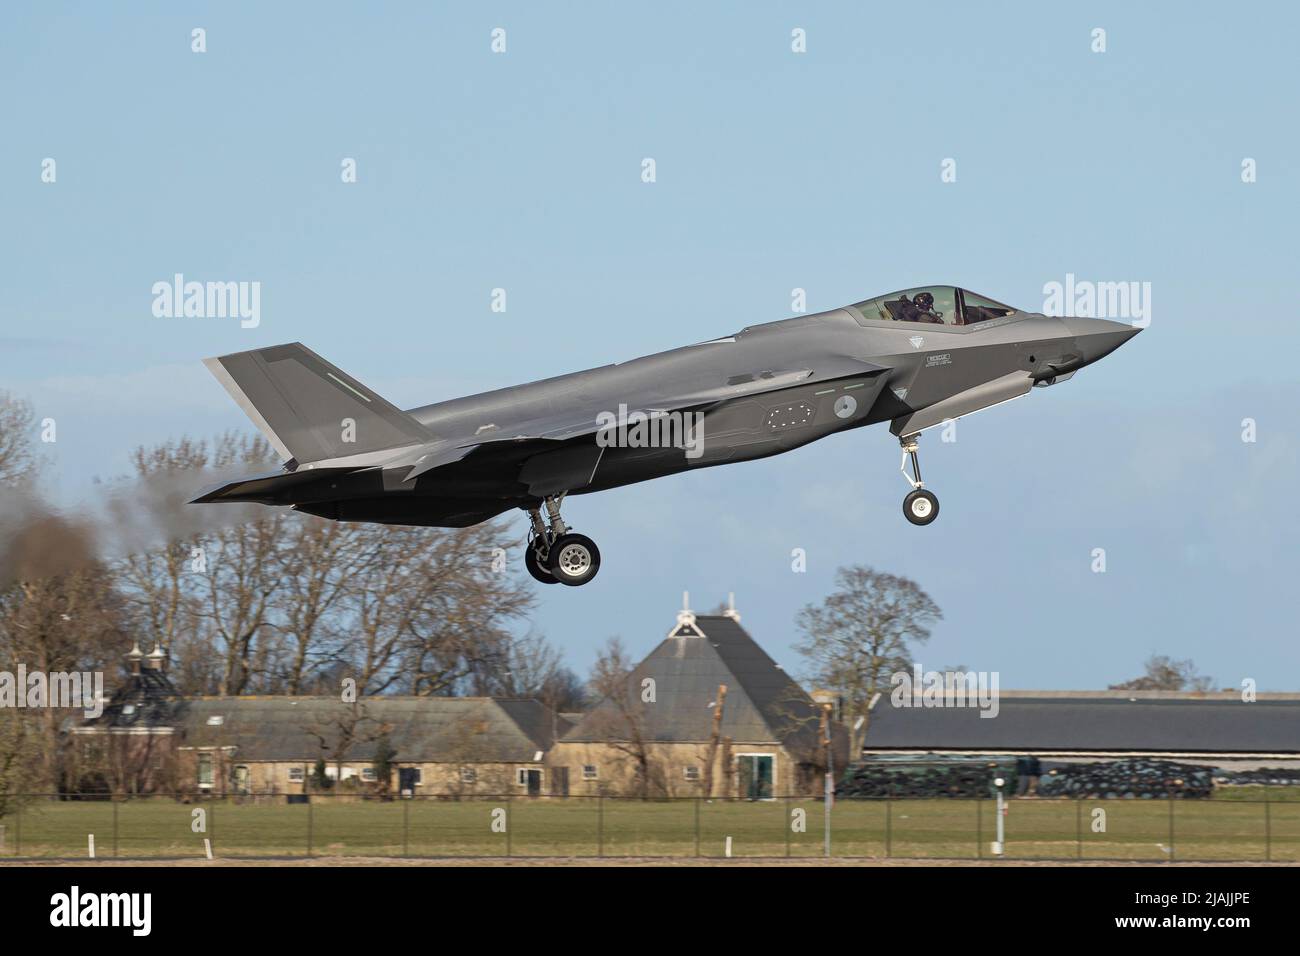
[691, 773]
[736, 766]
[521, 776]
[594, 771]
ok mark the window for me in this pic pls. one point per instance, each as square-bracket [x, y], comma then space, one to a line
[296, 775]
[468, 775]
[216, 720]
[692, 773]
[589, 771]
[242, 779]
[936, 304]
[368, 774]
[205, 770]
[976, 308]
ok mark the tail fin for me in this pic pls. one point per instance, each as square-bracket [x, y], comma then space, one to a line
[308, 409]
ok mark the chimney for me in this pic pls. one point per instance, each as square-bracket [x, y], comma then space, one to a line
[157, 659]
[133, 658]
[686, 617]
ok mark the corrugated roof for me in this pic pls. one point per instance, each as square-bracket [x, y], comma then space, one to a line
[763, 704]
[1109, 724]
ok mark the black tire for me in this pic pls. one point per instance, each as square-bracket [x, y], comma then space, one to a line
[574, 559]
[921, 507]
[535, 568]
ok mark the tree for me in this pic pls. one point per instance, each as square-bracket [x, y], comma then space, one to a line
[622, 726]
[17, 460]
[382, 763]
[1165, 673]
[862, 634]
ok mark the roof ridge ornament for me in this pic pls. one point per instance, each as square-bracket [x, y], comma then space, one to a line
[731, 611]
[686, 626]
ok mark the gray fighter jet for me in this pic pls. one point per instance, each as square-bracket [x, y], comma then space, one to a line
[915, 359]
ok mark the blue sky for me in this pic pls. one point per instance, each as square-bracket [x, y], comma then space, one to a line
[775, 170]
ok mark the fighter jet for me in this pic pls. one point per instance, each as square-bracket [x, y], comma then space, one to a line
[914, 358]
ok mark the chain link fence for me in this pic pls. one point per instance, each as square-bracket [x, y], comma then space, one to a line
[1252, 828]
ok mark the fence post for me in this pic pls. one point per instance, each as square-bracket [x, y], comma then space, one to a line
[1268, 830]
[1078, 827]
[406, 826]
[889, 824]
[510, 824]
[786, 824]
[114, 799]
[600, 824]
[18, 830]
[979, 827]
[697, 826]
[310, 804]
[1171, 826]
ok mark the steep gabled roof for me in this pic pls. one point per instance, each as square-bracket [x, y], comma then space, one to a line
[763, 704]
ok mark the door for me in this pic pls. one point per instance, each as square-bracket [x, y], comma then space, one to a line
[754, 774]
[406, 778]
[560, 781]
[534, 782]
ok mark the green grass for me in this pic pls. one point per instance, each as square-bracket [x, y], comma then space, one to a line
[588, 827]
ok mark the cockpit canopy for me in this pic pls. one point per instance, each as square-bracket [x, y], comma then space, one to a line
[934, 304]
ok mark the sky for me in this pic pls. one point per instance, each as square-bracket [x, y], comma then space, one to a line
[775, 170]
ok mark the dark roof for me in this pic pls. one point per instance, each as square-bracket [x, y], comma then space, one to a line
[1105, 723]
[763, 703]
[420, 729]
[146, 699]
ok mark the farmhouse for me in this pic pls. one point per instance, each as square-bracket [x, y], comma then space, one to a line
[707, 713]
[148, 739]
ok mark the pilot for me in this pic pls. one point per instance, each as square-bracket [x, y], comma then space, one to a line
[919, 309]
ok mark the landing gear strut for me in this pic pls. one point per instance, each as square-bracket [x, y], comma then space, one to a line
[920, 506]
[554, 554]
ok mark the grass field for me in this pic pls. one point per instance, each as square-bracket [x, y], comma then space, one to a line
[587, 827]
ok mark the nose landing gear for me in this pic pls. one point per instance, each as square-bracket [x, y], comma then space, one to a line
[554, 554]
[920, 506]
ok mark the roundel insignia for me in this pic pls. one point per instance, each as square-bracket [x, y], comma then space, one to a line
[845, 406]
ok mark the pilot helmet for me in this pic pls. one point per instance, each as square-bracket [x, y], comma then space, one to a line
[923, 301]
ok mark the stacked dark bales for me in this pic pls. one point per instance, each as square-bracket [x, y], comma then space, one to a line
[1134, 778]
[1271, 776]
[955, 780]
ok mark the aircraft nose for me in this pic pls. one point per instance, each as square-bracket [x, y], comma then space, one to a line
[1097, 338]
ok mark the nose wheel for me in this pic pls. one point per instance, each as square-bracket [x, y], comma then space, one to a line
[921, 506]
[555, 555]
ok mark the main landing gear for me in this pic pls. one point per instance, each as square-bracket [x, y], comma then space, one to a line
[554, 554]
[920, 506]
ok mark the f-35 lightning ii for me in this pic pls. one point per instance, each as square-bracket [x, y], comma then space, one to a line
[915, 359]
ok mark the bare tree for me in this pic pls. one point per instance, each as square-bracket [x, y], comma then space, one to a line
[1164, 673]
[862, 634]
[622, 726]
[17, 459]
